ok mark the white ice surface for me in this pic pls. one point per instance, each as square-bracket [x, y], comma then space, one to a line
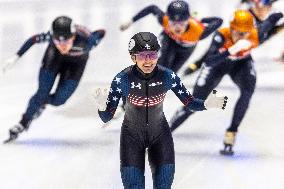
[66, 148]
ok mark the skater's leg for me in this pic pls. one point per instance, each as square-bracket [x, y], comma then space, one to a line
[182, 55]
[50, 66]
[179, 117]
[207, 80]
[70, 76]
[164, 176]
[245, 78]
[132, 177]
[132, 160]
[162, 160]
[46, 81]
[63, 92]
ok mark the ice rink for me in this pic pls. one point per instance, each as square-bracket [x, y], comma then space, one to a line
[67, 147]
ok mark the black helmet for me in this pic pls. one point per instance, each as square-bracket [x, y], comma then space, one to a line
[178, 10]
[62, 28]
[143, 41]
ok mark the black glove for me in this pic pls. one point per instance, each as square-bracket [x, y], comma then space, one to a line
[275, 17]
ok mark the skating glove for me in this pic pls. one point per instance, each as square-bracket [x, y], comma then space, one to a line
[100, 97]
[275, 17]
[9, 63]
[126, 25]
[215, 102]
[190, 69]
[240, 45]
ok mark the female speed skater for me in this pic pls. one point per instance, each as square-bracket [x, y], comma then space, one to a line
[260, 9]
[66, 57]
[181, 32]
[229, 54]
[144, 86]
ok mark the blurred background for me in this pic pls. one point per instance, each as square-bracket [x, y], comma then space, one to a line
[67, 148]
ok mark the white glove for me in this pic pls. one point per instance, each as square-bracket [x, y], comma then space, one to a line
[125, 25]
[100, 97]
[9, 63]
[215, 102]
[240, 45]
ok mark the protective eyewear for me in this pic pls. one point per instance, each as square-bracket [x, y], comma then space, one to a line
[152, 55]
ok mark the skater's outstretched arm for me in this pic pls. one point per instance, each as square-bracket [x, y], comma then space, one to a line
[93, 38]
[38, 38]
[118, 88]
[96, 37]
[275, 30]
[152, 9]
[267, 25]
[174, 83]
[213, 55]
[11, 62]
[212, 23]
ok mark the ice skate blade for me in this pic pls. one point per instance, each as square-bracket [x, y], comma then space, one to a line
[226, 152]
[9, 140]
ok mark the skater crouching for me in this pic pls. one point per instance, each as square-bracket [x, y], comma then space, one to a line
[66, 57]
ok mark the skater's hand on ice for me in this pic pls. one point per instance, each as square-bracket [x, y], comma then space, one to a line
[215, 102]
[126, 25]
[100, 97]
[9, 63]
[240, 45]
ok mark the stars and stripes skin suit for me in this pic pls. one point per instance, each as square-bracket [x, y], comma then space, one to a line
[177, 49]
[218, 62]
[69, 68]
[145, 126]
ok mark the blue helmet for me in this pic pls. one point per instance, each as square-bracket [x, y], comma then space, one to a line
[178, 10]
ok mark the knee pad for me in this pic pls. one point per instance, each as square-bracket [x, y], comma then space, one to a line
[164, 176]
[132, 178]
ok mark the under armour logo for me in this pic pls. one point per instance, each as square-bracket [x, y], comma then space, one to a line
[137, 86]
[147, 46]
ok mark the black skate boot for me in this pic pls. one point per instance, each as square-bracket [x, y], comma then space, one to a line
[14, 132]
[229, 142]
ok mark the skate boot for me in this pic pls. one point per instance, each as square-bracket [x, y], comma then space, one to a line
[229, 142]
[14, 132]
